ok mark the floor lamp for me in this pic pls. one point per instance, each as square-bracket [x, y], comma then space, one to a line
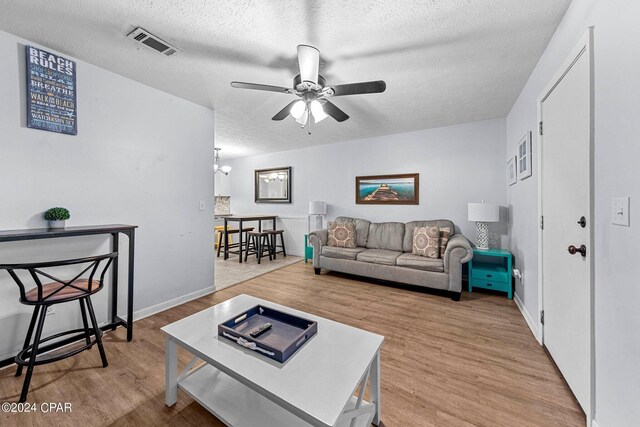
[317, 211]
[482, 213]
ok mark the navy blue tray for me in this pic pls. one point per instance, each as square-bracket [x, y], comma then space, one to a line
[279, 343]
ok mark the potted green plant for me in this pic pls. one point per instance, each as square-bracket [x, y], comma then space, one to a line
[57, 217]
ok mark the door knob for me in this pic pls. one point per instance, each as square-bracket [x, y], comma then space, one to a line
[582, 250]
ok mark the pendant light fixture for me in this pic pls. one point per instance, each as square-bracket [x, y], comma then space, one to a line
[216, 164]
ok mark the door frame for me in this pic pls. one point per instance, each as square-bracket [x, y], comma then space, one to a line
[584, 47]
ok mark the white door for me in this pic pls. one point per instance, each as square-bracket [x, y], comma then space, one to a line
[565, 177]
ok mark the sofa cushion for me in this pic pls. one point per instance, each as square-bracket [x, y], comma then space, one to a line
[362, 228]
[410, 226]
[445, 233]
[341, 253]
[420, 263]
[342, 234]
[426, 242]
[379, 256]
[386, 235]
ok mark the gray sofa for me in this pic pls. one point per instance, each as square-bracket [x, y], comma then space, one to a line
[384, 252]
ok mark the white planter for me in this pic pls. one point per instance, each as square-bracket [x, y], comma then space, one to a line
[56, 224]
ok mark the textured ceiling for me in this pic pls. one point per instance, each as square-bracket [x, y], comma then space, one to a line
[444, 62]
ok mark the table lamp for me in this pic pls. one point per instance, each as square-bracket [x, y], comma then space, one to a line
[482, 213]
[317, 210]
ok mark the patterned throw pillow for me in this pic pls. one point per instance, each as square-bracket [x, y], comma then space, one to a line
[342, 234]
[444, 239]
[426, 241]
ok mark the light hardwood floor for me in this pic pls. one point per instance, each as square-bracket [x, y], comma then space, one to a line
[444, 363]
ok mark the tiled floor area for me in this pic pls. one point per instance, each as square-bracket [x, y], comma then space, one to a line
[231, 272]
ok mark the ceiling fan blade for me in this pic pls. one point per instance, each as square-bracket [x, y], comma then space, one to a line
[376, 86]
[334, 111]
[309, 62]
[282, 114]
[255, 86]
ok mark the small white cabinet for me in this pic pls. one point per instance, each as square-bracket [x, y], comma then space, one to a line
[222, 184]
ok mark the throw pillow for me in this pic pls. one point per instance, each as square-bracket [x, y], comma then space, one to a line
[342, 234]
[445, 233]
[426, 241]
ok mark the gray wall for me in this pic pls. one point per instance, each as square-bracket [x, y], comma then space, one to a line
[457, 165]
[617, 107]
[141, 157]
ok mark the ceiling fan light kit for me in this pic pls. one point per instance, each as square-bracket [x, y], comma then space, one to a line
[313, 91]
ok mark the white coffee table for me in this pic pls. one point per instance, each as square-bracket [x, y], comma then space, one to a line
[316, 386]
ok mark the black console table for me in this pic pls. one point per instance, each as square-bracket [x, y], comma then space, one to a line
[114, 230]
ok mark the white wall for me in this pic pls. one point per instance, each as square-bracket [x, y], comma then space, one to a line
[141, 157]
[617, 106]
[457, 165]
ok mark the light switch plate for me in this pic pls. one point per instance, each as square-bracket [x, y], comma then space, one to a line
[202, 205]
[620, 211]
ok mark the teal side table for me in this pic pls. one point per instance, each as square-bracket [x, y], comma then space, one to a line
[491, 269]
[308, 250]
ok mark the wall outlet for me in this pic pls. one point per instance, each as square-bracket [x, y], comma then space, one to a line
[202, 205]
[51, 310]
[620, 211]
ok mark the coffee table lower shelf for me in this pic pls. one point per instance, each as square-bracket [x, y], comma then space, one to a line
[237, 405]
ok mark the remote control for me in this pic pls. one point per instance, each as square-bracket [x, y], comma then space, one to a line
[255, 333]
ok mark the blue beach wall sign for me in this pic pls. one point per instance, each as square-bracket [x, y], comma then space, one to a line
[51, 92]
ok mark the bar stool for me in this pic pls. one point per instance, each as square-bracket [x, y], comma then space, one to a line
[257, 243]
[273, 234]
[58, 291]
[230, 233]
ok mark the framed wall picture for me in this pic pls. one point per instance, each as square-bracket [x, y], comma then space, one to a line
[402, 189]
[524, 157]
[273, 185]
[51, 92]
[512, 176]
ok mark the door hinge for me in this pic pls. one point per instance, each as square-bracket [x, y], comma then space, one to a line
[540, 128]
[542, 317]
[542, 222]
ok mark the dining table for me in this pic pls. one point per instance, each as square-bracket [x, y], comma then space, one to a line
[241, 219]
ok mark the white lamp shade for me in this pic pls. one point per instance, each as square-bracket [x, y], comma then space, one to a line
[484, 212]
[298, 109]
[317, 208]
[317, 111]
[303, 119]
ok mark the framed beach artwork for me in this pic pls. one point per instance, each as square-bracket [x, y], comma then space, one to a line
[402, 189]
[524, 157]
[512, 176]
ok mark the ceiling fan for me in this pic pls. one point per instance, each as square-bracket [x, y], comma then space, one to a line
[313, 91]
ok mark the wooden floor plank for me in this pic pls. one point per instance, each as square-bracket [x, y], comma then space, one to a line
[444, 363]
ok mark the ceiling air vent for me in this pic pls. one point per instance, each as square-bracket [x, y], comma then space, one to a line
[152, 42]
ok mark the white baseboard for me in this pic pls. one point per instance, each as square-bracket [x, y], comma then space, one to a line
[157, 308]
[533, 325]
